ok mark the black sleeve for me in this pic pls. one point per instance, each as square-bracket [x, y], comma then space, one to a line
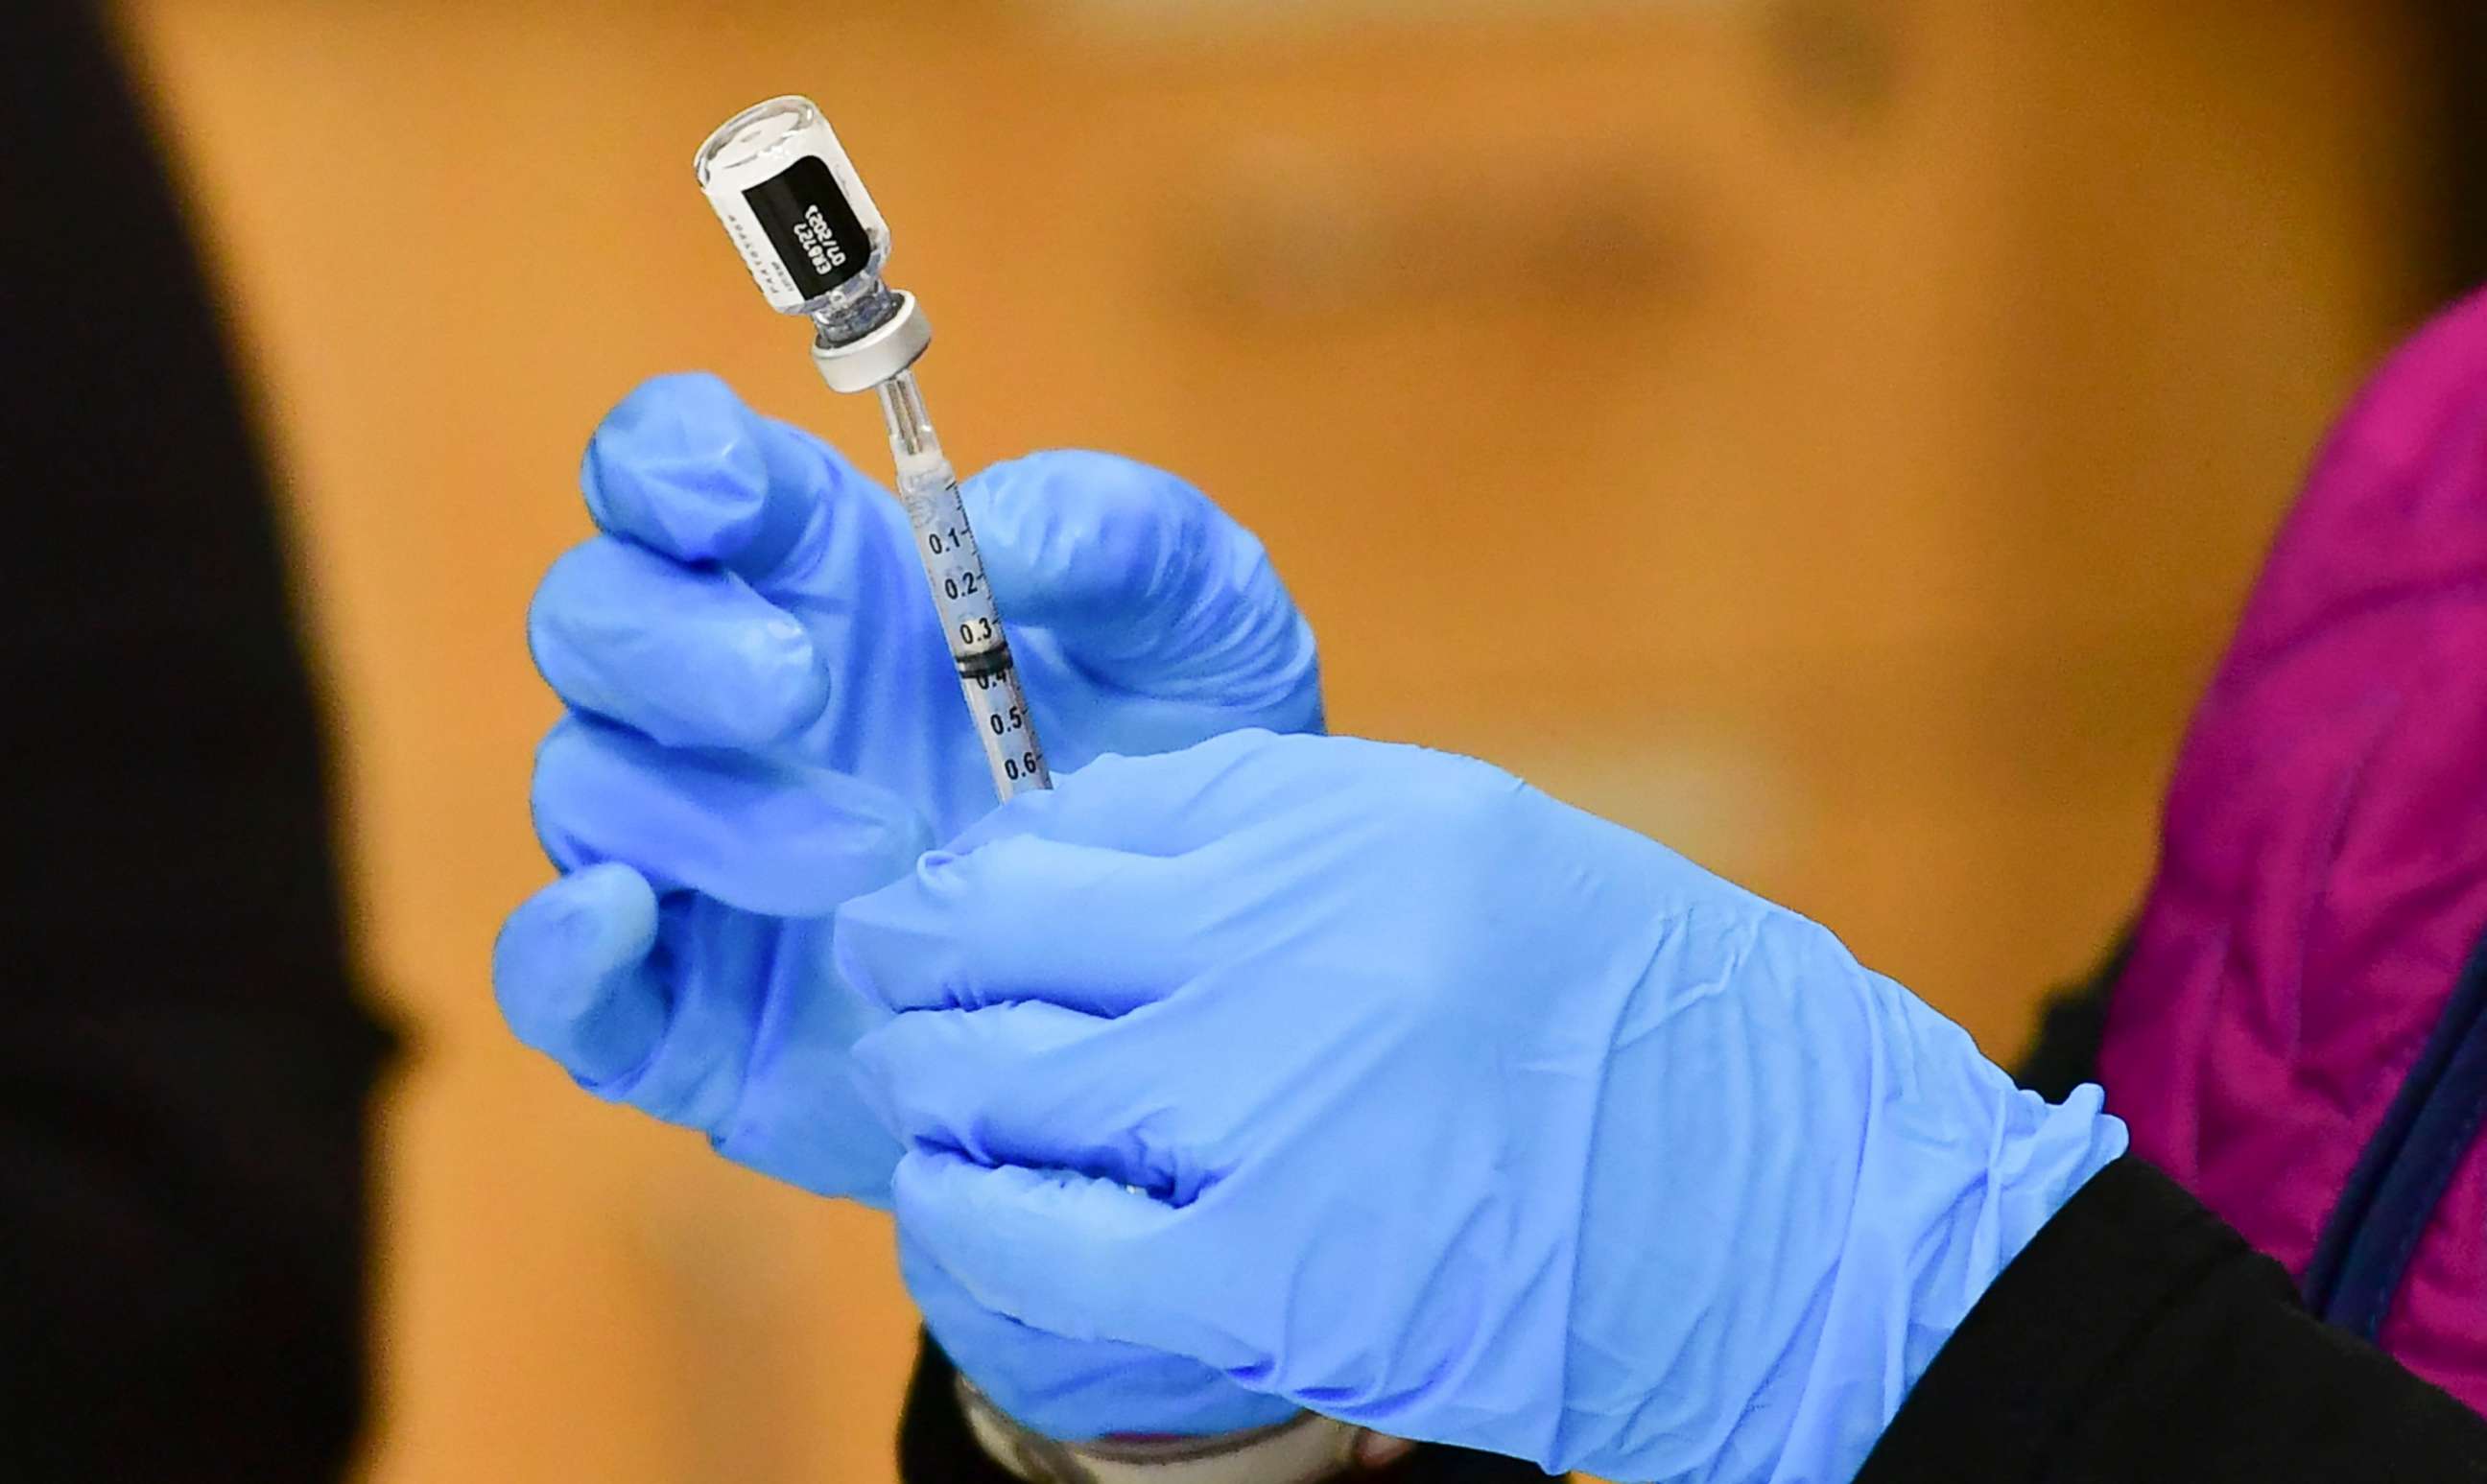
[936, 1447]
[2138, 1339]
[183, 1065]
[2071, 1026]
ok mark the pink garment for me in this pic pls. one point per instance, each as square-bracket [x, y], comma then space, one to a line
[2322, 871]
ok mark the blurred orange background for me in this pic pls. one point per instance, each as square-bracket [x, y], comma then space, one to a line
[1829, 437]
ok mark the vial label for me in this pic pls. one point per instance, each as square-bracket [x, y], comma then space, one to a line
[815, 233]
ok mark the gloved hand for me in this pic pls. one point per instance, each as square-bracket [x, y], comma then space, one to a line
[1385, 1083]
[764, 722]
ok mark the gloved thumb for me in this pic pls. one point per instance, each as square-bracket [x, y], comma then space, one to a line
[1144, 582]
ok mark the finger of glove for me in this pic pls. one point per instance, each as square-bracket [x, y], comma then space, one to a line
[1034, 1084]
[683, 467]
[779, 839]
[1096, 931]
[578, 978]
[1072, 1255]
[688, 656]
[1077, 1389]
[570, 972]
[1148, 584]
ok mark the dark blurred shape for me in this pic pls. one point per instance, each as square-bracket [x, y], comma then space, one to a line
[2072, 1024]
[2454, 33]
[1840, 60]
[184, 1069]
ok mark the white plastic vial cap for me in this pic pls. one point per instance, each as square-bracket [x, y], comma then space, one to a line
[788, 197]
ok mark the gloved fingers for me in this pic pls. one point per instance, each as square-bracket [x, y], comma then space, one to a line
[1094, 929]
[570, 972]
[1075, 1390]
[1067, 1253]
[688, 656]
[578, 979]
[775, 838]
[1037, 1085]
[683, 467]
[1149, 585]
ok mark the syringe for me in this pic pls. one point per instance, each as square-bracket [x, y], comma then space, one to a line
[816, 245]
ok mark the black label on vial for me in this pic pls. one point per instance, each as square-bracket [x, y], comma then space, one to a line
[808, 221]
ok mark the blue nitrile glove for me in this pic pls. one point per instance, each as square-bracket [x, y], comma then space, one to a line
[764, 722]
[1384, 1082]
